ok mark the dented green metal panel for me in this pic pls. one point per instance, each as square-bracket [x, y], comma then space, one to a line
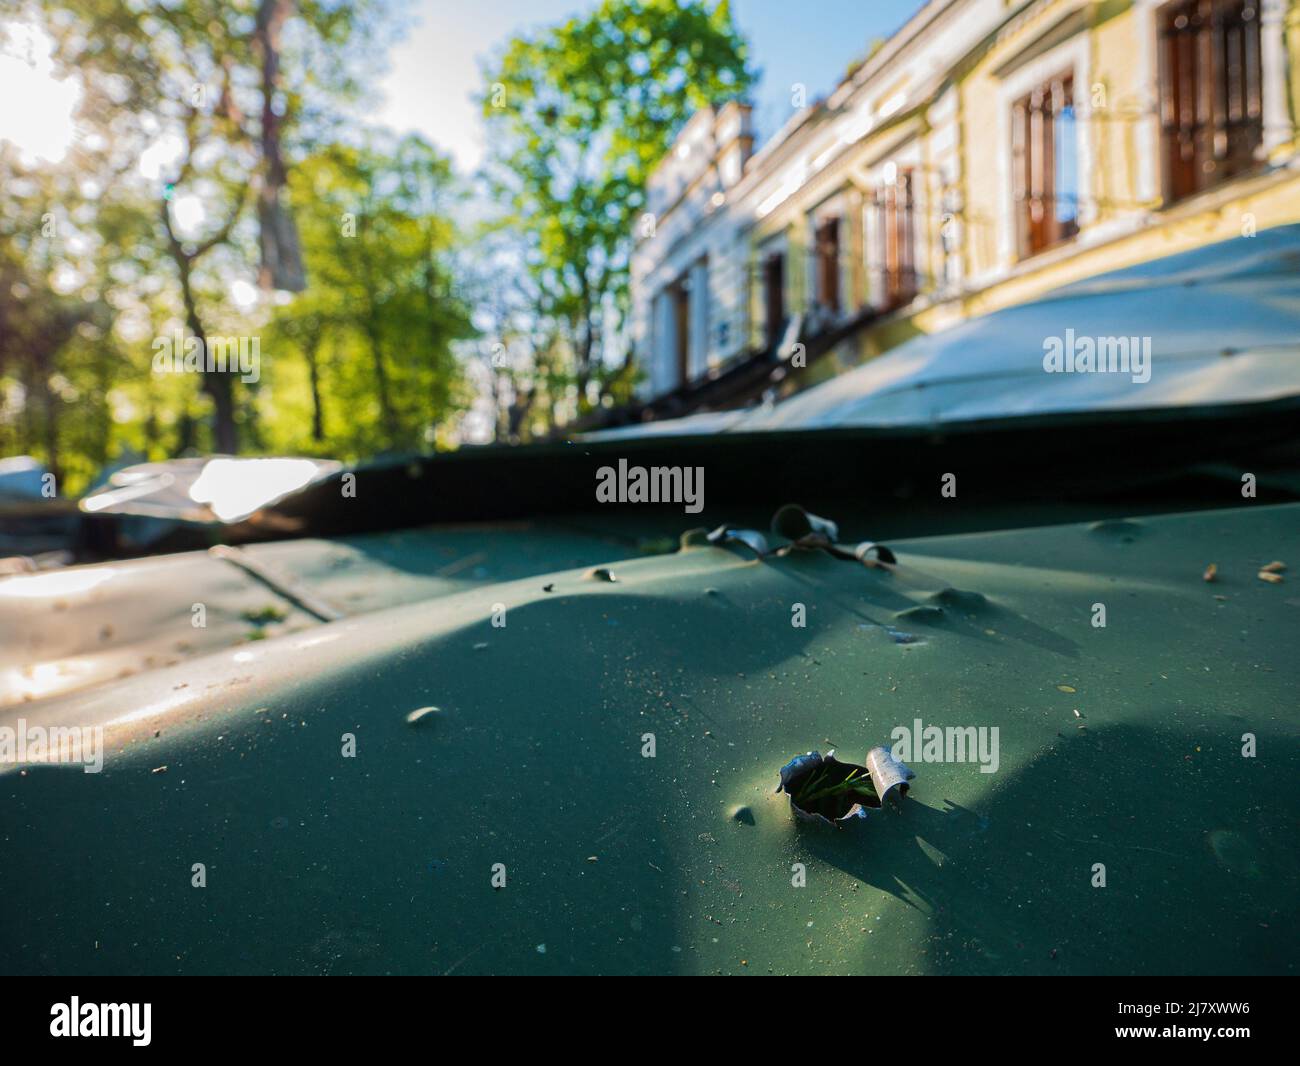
[616, 862]
[69, 629]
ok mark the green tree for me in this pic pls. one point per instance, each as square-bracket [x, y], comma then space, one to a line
[577, 116]
[220, 93]
[376, 327]
[57, 352]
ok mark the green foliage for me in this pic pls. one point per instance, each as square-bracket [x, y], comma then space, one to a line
[57, 349]
[821, 786]
[577, 117]
[157, 220]
[97, 259]
[374, 331]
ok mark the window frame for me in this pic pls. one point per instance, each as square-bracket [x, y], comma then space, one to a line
[1071, 57]
[897, 287]
[1208, 136]
[774, 326]
[1034, 183]
[828, 270]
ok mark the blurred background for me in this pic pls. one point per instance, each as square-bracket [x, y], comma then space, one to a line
[331, 185]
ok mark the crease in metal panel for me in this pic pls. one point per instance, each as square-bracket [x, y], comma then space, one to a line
[279, 583]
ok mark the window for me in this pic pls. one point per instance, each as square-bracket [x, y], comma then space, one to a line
[895, 240]
[1045, 166]
[827, 252]
[774, 296]
[687, 323]
[681, 302]
[1211, 108]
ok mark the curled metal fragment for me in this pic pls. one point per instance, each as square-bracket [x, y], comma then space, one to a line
[805, 530]
[750, 538]
[870, 553]
[888, 773]
[803, 527]
[797, 767]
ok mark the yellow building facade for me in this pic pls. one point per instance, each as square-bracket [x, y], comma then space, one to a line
[991, 151]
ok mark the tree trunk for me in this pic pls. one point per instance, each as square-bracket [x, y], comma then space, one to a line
[431, 300]
[281, 250]
[51, 427]
[585, 344]
[225, 437]
[311, 351]
[25, 425]
[374, 335]
[103, 414]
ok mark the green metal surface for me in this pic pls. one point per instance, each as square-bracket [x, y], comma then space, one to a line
[67, 630]
[619, 863]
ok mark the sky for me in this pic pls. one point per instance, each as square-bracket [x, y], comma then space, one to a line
[435, 70]
[42, 126]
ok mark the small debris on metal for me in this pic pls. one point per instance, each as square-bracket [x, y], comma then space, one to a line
[1211, 572]
[900, 637]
